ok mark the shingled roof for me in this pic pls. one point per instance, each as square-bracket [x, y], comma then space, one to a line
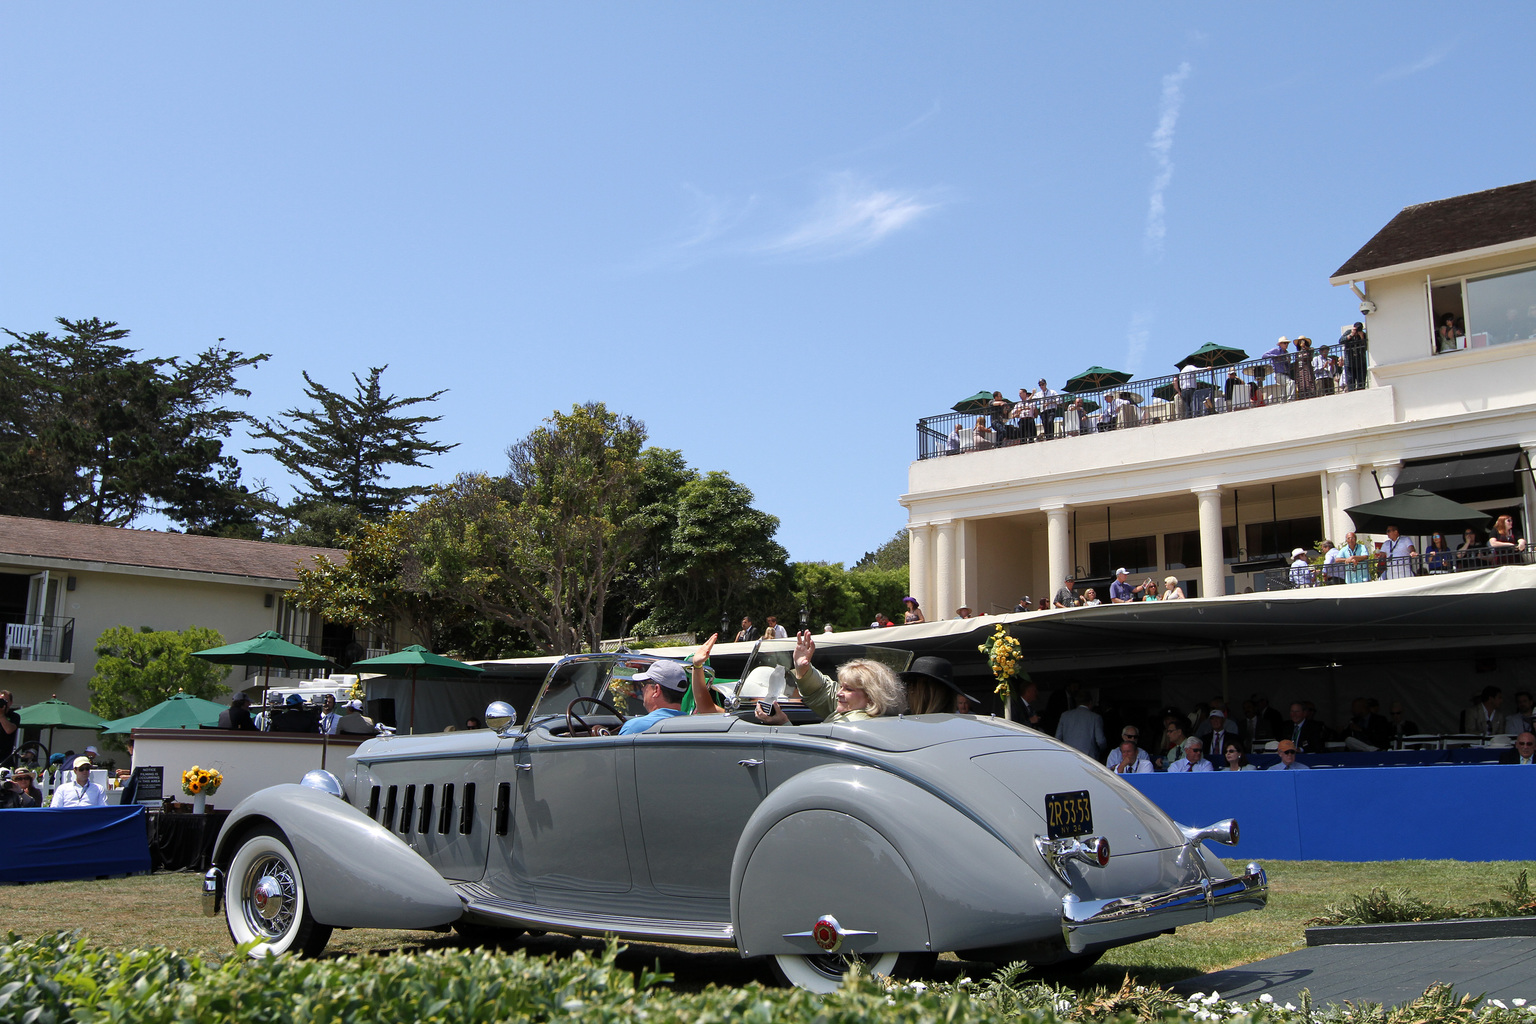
[1446, 226]
[81, 542]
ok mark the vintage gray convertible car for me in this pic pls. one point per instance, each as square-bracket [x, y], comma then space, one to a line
[891, 840]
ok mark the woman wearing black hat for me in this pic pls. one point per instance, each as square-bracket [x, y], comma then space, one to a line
[931, 688]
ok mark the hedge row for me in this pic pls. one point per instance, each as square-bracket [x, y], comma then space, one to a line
[60, 978]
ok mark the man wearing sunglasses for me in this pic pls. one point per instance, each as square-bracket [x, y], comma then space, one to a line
[79, 790]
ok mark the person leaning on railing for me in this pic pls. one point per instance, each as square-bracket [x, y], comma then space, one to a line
[1471, 554]
[1505, 544]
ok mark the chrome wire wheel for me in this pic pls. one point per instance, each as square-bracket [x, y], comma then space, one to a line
[265, 902]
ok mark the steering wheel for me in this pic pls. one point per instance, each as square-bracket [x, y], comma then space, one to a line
[573, 720]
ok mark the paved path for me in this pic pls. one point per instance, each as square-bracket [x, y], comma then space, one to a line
[1383, 972]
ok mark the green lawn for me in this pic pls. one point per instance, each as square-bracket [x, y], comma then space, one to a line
[165, 910]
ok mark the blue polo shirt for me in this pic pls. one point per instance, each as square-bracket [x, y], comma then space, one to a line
[647, 720]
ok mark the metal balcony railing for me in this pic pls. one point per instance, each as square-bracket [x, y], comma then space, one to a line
[1302, 577]
[40, 638]
[1252, 384]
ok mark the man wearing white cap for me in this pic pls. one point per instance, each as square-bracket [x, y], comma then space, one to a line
[1121, 592]
[661, 690]
[79, 790]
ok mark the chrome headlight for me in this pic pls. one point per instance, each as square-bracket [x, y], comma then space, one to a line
[324, 781]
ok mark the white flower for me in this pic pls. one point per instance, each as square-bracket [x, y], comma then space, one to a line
[918, 986]
[1499, 1004]
[1266, 998]
[1518, 1002]
[1290, 1006]
[1213, 997]
[573, 1005]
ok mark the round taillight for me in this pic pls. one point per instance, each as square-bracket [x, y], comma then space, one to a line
[1232, 837]
[1102, 852]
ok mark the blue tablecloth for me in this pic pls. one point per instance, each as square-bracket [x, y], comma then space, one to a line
[49, 844]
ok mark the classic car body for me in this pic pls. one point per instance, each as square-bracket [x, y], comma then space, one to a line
[908, 835]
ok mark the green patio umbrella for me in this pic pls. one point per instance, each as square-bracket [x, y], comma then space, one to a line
[1166, 392]
[416, 662]
[178, 711]
[1096, 378]
[1417, 512]
[265, 649]
[1212, 354]
[58, 714]
[979, 402]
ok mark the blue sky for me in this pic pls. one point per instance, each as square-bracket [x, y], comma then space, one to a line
[777, 233]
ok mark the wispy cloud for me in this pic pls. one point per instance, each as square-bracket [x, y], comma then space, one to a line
[851, 215]
[713, 218]
[1136, 335]
[1162, 154]
[1424, 63]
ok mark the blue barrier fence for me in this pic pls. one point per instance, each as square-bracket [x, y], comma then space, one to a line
[1466, 812]
[51, 843]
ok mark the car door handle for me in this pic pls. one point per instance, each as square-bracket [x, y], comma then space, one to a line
[750, 762]
[524, 767]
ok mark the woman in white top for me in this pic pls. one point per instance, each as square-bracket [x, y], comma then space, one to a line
[1171, 589]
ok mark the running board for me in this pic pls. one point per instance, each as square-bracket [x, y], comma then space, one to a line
[480, 902]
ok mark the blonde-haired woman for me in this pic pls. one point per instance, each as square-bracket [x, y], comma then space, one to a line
[865, 689]
[1171, 589]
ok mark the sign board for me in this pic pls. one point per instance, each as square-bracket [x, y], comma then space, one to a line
[148, 784]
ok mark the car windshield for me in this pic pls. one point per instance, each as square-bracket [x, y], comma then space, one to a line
[606, 676]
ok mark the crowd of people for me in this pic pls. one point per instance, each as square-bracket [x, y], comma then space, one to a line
[1293, 370]
[1397, 557]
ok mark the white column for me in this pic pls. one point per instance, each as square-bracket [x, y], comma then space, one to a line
[1213, 570]
[944, 603]
[965, 566]
[1346, 494]
[919, 543]
[1058, 546]
[1386, 476]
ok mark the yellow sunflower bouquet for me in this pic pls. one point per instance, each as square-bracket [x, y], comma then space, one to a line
[1003, 653]
[197, 780]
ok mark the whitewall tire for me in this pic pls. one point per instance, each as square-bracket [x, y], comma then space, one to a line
[824, 973]
[265, 901]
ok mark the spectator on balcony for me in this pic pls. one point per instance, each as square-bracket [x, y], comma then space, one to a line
[1356, 557]
[1398, 551]
[1050, 407]
[999, 409]
[1367, 731]
[1524, 752]
[1471, 554]
[983, 437]
[1438, 556]
[1305, 732]
[1506, 545]
[238, 714]
[1280, 358]
[1237, 761]
[1023, 413]
[1333, 572]
[1171, 589]
[1091, 598]
[1353, 342]
[1445, 334]
[1079, 419]
[1024, 605]
[956, 440]
[963, 612]
[1128, 758]
[1233, 389]
[1109, 416]
[1256, 395]
[1306, 378]
[1324, 369]
[1121, 591]
[1401, 725]
[1301, 569]
[1191, 401]
[1065, 596]
[913, 614]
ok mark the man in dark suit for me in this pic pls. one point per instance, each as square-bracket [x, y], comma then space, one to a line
[1524, 751]
[1306, 733]
[1264, 723]
[1366, 729]
[1026, 706]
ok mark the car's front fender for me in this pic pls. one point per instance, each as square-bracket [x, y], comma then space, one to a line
[356, 873]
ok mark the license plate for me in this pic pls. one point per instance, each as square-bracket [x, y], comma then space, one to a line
[1068, 814]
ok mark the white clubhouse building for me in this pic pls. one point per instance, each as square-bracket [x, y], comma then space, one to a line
[1213, 499]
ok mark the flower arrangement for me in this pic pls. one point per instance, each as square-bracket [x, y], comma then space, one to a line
[197, 780]
[1003, 653]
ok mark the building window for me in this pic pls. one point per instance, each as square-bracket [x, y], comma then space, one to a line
[1477, 312]
[1137, 554]
[1182, 550]
[1279, 539]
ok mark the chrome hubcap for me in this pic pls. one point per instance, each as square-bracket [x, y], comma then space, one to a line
[271, 897]
[268, 897]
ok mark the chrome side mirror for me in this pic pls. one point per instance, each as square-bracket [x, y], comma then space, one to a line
[500, 716]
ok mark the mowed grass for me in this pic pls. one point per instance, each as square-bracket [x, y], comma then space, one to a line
[166, 910]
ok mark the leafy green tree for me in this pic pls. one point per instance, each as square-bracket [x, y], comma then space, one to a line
[846, 598]
[343, 448]
[90, 433]
[137, 669]
[539, 549]
[895, 553]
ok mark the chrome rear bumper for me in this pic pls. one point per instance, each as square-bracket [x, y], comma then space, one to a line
[1088, 923]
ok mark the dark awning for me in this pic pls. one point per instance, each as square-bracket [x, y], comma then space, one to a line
[1461, 472]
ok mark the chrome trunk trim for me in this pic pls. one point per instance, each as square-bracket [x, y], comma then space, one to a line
[1088, 923]
[483, 903]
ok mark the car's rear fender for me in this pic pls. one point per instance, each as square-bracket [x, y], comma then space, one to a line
[356, 874]
[884, 857]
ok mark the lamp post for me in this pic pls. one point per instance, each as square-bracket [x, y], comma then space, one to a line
[805, 619]
[725, 624]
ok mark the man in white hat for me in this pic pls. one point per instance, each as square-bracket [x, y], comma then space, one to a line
[79, 790]
[1121, 591]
